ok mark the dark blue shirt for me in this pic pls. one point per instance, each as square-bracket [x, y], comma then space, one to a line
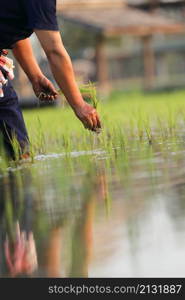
[19, 18]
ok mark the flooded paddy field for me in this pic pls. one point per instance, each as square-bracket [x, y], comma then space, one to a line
[107, 205]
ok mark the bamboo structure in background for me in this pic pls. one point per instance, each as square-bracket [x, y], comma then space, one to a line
[108, 19]
[84, 4]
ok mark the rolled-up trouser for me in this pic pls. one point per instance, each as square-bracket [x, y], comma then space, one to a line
[11, 122]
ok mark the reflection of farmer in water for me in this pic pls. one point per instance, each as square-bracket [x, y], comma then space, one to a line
[21, 257]
[18, 250]
[18, 20]
[61, 243]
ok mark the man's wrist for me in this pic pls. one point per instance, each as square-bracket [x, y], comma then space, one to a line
[35, 78]
[77, 104]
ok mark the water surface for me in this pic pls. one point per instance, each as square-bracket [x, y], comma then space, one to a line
[95, 214]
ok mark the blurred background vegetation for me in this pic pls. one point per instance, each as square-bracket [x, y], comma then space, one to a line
[120, 44]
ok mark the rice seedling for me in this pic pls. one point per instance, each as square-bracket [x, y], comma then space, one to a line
[128, 123]
[89, 93]
[123, 124]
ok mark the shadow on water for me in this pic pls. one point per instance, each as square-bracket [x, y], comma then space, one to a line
[95, 217]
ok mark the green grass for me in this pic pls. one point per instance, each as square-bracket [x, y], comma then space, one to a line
[126, 118]
[130, 121]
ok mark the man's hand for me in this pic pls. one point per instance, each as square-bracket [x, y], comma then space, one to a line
[44, 89]
[88, 116]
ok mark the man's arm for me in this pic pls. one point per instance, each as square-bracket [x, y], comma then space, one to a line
[24, 54]
[62, 69]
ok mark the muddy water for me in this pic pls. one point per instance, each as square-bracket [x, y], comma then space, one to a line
[94, 215]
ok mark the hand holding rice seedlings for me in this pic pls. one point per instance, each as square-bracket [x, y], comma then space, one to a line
[89, 94]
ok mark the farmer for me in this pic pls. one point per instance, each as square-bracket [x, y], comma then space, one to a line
[18, 20]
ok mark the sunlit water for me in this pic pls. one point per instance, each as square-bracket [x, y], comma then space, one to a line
[94, 214]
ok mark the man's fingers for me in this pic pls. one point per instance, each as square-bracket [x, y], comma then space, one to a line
[52, 90]
[94, 122]
[88, 123]
[49, 98]
[52, 98]
[46, 97]
[98, 122]
[89, 117]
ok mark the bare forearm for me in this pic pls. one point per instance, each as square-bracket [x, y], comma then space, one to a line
[61, 66]
[62, 69]
[42, 87]
[64, 75]
[25, 57]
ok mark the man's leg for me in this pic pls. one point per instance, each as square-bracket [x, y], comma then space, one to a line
[12, 123]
